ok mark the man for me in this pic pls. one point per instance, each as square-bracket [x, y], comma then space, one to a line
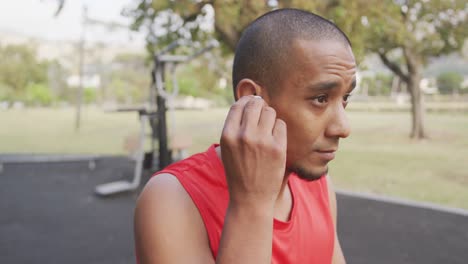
[263, 195]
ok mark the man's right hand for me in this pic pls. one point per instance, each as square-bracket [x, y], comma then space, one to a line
[253, 150]
[170, 229]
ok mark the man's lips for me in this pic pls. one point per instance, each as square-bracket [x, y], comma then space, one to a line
[326, 154]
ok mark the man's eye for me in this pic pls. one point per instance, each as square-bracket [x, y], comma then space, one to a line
[320, 99]
[346, 97]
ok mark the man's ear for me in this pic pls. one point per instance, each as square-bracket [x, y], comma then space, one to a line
[248, 87]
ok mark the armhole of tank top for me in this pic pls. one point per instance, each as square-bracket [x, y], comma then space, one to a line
[197, 200]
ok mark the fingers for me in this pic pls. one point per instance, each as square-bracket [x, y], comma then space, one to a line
[251, 114]
[267, 120]
[234, 117]
[280, 132]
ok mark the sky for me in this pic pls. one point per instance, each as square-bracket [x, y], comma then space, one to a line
[36, 18]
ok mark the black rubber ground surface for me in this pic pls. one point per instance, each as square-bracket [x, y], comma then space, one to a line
[49, 214]
[379, 232]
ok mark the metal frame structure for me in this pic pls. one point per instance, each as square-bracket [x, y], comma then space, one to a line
[163, 62]
[158, 98]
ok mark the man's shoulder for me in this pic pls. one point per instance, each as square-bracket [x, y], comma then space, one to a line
[185, 189]
[167, 221]
[164, 204]
[163, 188]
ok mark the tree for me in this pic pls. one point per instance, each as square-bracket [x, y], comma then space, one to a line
[38, 94]
[189, 19]
[404, 33]
[449, 82]
[127, 80]
[378, 85]
[20, 67]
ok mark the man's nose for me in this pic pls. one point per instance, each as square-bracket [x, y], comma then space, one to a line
[339, 123]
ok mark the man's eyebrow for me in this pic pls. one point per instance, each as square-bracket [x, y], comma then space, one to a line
[328, 85]
[353, 85]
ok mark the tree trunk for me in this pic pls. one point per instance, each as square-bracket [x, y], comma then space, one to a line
[417, 107]
[395, 86]
[414, 65]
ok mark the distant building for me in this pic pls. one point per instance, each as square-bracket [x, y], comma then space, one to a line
[428, 86]
[464, 84]
[89, 81]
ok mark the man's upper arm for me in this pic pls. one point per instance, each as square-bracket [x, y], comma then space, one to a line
[338, 257]
[168, 227]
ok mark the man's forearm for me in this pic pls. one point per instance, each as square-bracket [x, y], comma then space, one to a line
[247, 235]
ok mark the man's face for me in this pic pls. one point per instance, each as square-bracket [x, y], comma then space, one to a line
[311, 99]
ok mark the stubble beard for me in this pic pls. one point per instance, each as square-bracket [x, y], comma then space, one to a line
[306, 174]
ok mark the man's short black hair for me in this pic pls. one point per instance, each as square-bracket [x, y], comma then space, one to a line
[264, 46]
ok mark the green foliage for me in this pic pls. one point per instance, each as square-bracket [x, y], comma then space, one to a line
[380, 85]
[128, 80]
[57, 81]
[193, 79]
[413, 30]
[422, 28]
[19, 66]
[139, 61]
[189, 19]
[38, 94]
[189, 86]
[449, 82]
[119, 91]
[6, 93]
[89, 95]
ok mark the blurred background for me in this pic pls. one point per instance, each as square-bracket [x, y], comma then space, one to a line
[75, 76]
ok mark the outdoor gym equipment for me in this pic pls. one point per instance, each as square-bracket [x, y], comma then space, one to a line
[122, 186]
[162, 62]
[157, 118]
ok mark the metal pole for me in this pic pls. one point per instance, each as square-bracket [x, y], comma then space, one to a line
[160, 60]
[153, 119]
[79, 96]
[164, 157]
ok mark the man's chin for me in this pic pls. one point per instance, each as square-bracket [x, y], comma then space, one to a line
[308, 174]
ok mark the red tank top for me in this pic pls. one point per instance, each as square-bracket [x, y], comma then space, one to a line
[308, 236]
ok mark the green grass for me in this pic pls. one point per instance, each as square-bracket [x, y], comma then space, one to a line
[378, 157]
[52, 131]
